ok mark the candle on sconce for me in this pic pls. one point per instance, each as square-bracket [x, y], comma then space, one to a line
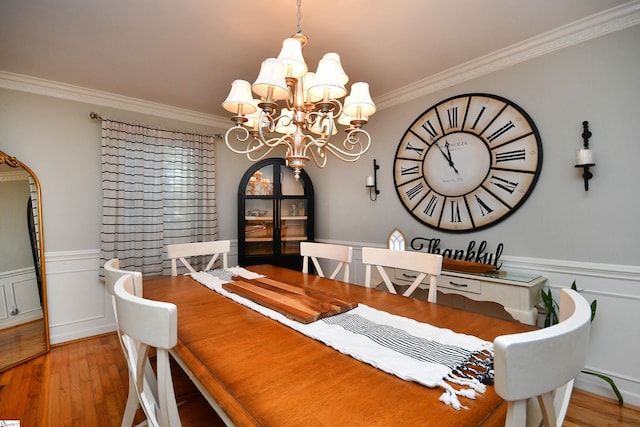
[369, 181]
[584, 156]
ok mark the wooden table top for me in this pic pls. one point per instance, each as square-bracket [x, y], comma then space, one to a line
[264, 373]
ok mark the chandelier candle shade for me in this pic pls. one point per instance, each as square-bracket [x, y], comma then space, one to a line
[299, 110]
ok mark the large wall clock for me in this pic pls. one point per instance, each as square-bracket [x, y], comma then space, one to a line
[467, 162]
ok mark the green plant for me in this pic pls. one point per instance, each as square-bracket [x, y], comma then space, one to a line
[551, 318]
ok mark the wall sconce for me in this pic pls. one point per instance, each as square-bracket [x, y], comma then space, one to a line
[584, 156]
[372, 182]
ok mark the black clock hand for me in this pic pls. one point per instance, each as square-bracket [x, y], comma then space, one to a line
[446, 144]
[447, 157]
[443, 153]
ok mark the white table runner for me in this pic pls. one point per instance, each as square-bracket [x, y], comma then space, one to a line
[413, 351]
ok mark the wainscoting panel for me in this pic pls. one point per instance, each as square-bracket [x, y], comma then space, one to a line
[78, 302]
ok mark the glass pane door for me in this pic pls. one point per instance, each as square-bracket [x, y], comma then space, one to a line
[261, 182]
[289, 186]
[293, 225]
[258, 226]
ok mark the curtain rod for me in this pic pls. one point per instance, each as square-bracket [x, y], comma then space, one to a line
[95, 116]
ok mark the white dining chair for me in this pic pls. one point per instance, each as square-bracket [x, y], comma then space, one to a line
[147, 325]
[315, 251]
[112, 273]
[543, 364]
[182, 251]
[422, 263]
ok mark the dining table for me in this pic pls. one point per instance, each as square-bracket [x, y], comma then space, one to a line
[260, 372]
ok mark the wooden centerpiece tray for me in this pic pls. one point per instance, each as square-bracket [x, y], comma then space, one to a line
[301, 304]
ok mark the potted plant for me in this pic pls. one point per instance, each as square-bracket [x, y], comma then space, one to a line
[550, 307]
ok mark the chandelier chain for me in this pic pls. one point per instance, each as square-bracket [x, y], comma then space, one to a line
[299, 16]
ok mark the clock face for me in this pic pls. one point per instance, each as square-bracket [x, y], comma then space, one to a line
[468, 162]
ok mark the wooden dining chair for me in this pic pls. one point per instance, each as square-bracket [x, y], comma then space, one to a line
[182, 251]
[421, 263]
[543, 364]
[316, 251]
[147, 325]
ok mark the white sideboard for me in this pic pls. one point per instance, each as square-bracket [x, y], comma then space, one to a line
[518, 293]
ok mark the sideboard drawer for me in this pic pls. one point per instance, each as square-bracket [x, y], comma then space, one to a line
[406, 276]
[459, 284]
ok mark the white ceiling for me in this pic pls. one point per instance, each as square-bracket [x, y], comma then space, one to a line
[186, 53]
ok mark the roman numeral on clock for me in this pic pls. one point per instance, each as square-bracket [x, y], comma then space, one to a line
[410, 147]
[506, 185]
[455, 211]
[478, 118]
[452, 115]
[507, 156]
[429, 128]
[431, 206]
[484, 208]
[413, 170]
[414, 191]
[501, 131]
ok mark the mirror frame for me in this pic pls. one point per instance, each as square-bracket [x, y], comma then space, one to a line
[15, 163]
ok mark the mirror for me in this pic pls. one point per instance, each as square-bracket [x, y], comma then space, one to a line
[24, 327]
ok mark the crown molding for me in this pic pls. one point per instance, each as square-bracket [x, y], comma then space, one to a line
[597, 25]
[53, 89]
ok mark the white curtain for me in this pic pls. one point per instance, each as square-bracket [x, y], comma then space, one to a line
[158, 188]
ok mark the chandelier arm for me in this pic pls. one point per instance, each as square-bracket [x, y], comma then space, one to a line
[337, 111]
[355, 138]
[318, 156]
[318, 117]
[270, 145]
[241, 136]
[257, 144]
[262, 155]
[271, 127]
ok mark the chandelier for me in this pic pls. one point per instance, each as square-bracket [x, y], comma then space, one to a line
[299, 110]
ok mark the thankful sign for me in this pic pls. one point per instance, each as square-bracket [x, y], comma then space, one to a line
[469, 254]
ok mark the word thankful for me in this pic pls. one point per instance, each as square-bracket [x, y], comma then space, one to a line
[479, 255]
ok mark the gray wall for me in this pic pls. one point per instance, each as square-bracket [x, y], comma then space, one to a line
[595, 81]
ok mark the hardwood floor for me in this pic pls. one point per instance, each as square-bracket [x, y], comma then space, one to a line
[21, 341]
[85, 383]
